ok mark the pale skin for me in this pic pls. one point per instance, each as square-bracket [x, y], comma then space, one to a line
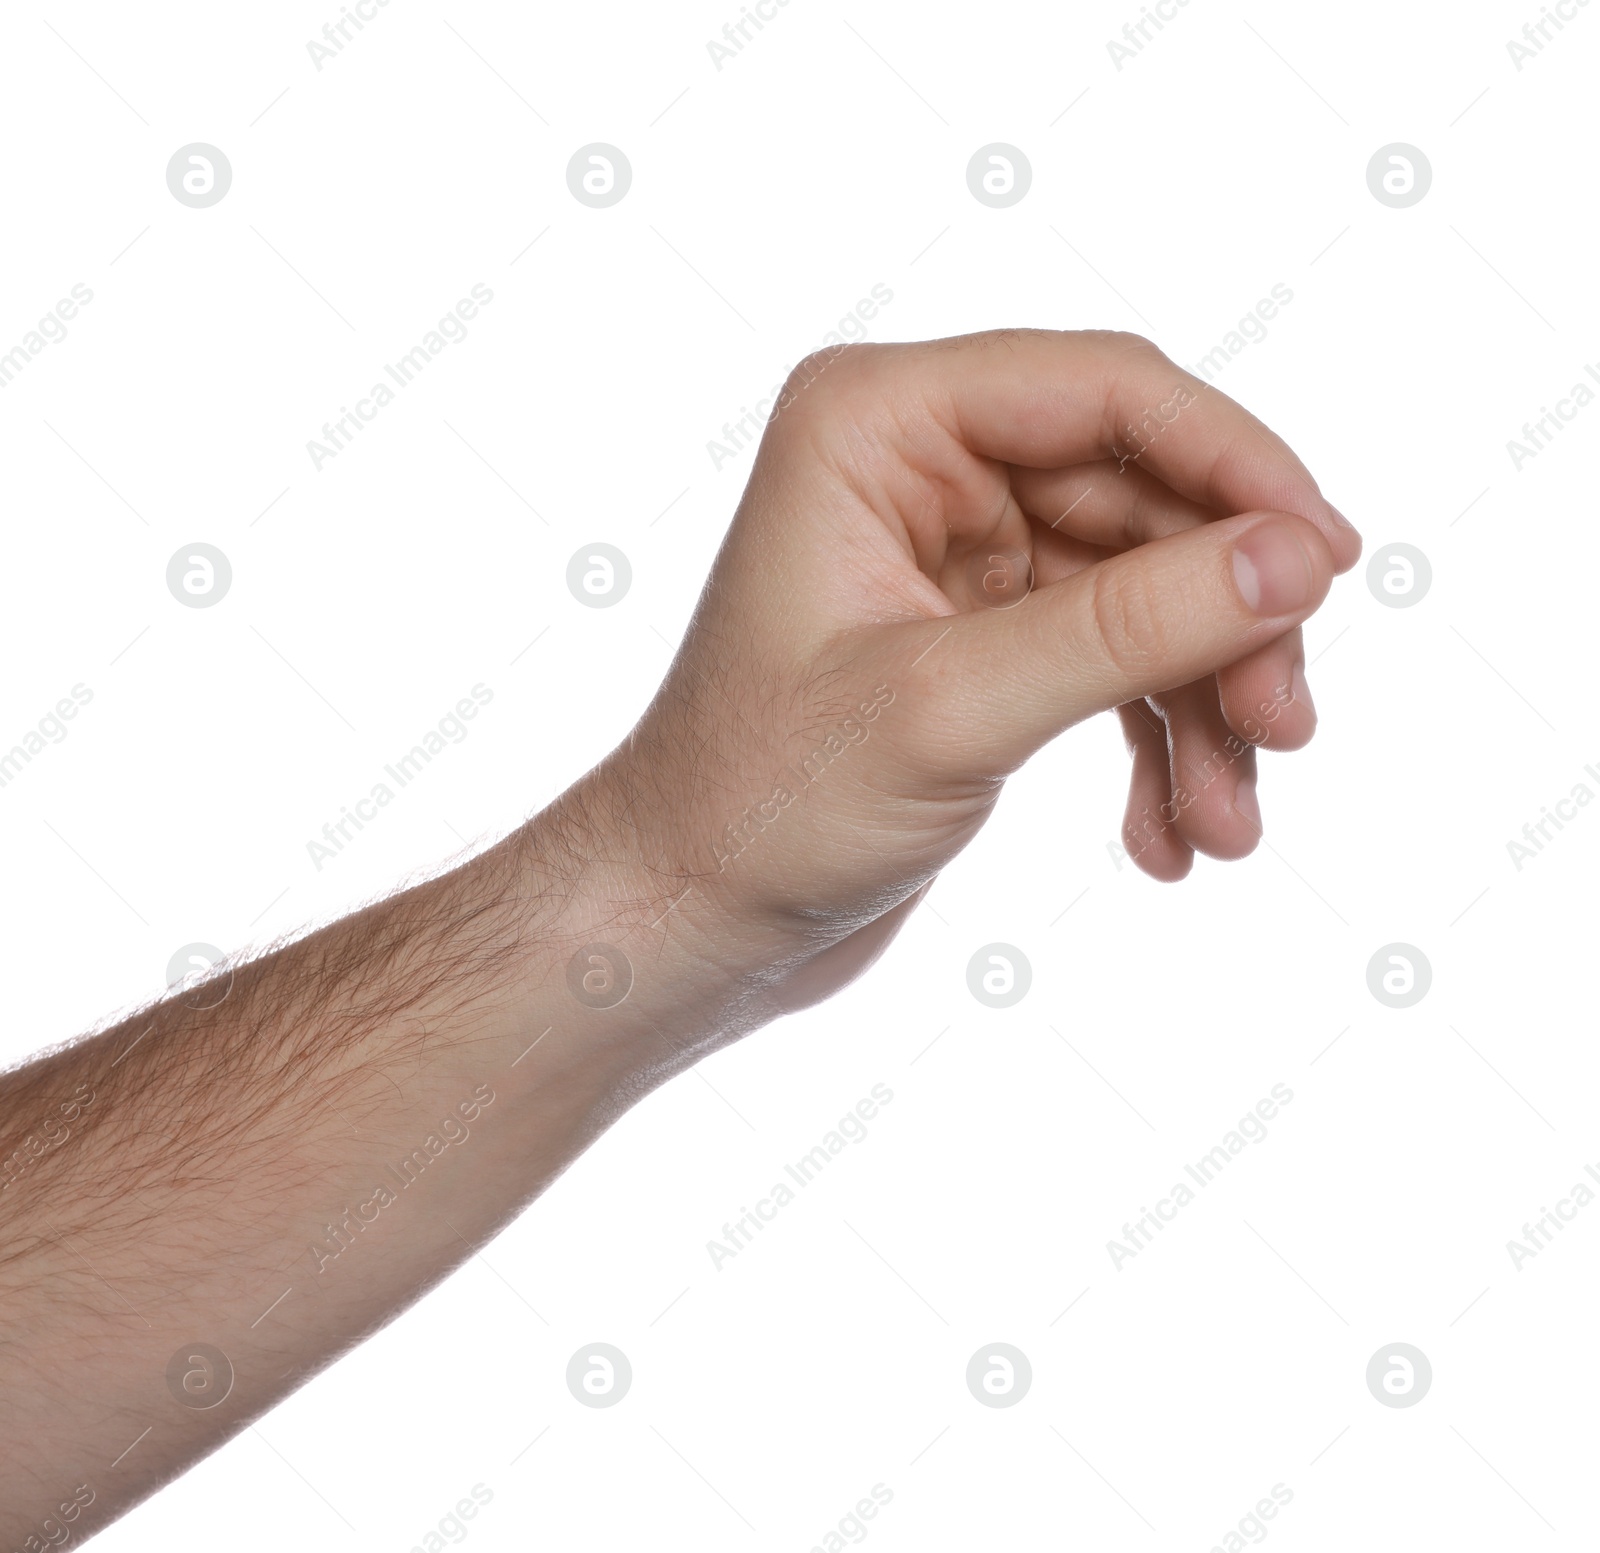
[235, 1133]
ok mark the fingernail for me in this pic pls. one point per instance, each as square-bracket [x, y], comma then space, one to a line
[1272, 570]
[1246, 804]
[1338, 516]
[1300, 691]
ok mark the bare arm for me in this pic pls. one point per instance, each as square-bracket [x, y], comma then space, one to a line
[269, 1164]
[208, 1201]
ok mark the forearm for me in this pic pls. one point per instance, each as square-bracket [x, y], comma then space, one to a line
[275, 1174]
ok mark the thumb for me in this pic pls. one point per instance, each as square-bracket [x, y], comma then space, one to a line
[994, 685]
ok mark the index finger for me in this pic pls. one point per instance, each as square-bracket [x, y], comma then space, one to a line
[1048, 398]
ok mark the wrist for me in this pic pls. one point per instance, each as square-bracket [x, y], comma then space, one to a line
[651, 961]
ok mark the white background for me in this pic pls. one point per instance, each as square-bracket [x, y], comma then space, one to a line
[768, 197]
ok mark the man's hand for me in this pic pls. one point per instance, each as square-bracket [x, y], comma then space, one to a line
[947, 554]
[869, 661]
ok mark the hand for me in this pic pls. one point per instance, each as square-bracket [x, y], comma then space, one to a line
[836, 726]
[846, 704]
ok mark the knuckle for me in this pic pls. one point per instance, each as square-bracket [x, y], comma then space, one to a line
[833, 389]
[1127, 341]
[1135, 631]
[809, 368]
[825, 370]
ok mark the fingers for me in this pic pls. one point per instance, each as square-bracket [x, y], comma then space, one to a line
[1212, 773]
[1049, 400]
[1165, 614]
[1104, 503]
[1265, 697]
[1149, 835]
